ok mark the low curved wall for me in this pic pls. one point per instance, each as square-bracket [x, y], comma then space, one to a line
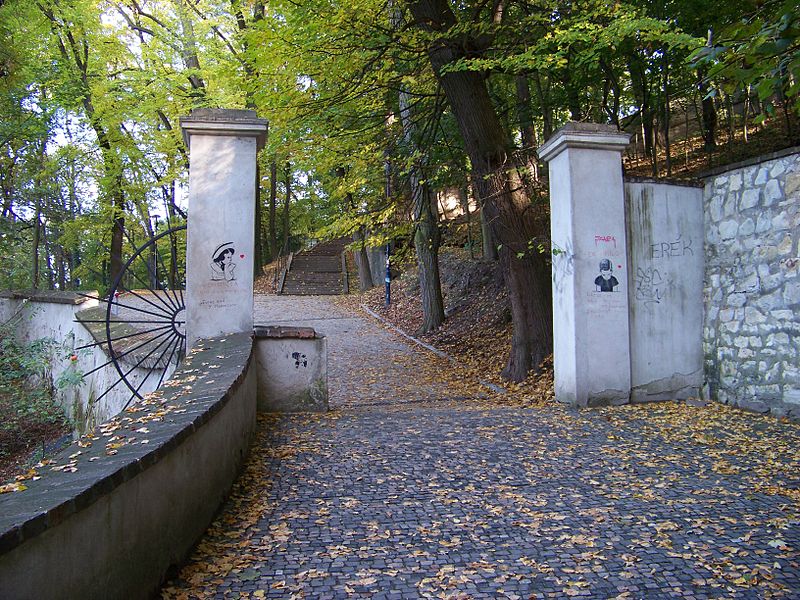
[114, 510]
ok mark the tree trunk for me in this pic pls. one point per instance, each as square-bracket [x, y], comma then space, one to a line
[288, 182]
[362, 261]
[573, 95]
[273, 200]
[543, 92]
[463, 197]
[258, 254]
[61, 274]
[117, 237]
[641, 93]
[48, 259]
[426, 243]
[499, 186]
[427, 237]
[37, 234]
[489, 247]
[667, 117]
[527, 131]
[709, 117]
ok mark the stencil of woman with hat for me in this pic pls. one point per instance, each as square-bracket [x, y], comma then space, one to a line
[222, 266]
[605, 282]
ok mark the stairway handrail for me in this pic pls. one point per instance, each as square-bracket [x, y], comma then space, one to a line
[285, 271]
[345, 274]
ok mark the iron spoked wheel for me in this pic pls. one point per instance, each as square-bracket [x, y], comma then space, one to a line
[152, 303]
[145, 316]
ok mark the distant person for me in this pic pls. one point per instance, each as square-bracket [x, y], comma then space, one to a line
[605, 282]
[222, 266]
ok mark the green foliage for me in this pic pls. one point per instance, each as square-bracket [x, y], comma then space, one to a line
[25, 390]
[760, 51]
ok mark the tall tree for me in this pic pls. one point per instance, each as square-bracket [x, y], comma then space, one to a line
[498, 182]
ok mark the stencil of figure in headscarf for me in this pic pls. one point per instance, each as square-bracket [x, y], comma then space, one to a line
[222, 266]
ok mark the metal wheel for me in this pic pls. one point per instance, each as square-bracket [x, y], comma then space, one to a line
[145, 315]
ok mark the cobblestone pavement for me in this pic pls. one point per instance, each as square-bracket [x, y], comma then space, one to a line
[457, 499]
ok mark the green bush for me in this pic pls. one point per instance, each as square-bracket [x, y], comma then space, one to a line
[28, 413]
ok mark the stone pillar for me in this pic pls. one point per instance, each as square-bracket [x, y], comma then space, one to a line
[220, 236]
[590, 279]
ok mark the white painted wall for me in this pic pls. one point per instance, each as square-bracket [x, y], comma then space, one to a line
[38, 319]
[292, 374]
[665, 242]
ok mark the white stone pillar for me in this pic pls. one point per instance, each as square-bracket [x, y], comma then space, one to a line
[220, 235]
[590, 279]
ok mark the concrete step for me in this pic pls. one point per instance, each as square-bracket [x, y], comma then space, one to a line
[315, 276]
[311, 290]
[314, 263]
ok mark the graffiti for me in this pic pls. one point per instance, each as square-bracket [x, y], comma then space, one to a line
[563, 265]
[299, 359]
[650, 286]
[222, 266]
[674, 249]
[605, 281]
[607, 239]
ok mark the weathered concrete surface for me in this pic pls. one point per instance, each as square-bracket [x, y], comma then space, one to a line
[665, 249]
[292, 370]
[56, 317]
[220, 231]
[113, 513]
[590, 327]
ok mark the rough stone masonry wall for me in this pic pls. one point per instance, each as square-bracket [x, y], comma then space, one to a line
[751, 337]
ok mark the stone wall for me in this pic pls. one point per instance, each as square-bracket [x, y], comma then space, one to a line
[751, 335]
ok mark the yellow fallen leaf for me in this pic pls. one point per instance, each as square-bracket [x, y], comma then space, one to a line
[12, 487]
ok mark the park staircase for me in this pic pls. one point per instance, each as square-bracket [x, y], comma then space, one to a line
[318, 271]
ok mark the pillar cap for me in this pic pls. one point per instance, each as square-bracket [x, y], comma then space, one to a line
[226, 122]
[594, 136]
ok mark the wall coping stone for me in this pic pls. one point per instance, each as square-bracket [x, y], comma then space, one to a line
[226, 122]
[750, 162]
[284, 331]
[689, 182]
[595, 136]
[52, 296]
[186, 402]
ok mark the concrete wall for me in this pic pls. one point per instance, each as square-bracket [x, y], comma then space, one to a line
[665, 260]
[52, 315]
[751, 337]
[292, 370]
[112, 528]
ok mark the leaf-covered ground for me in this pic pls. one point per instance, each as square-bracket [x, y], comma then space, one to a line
[419, 484]
[477, 330]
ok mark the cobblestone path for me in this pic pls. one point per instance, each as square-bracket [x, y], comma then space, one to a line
[408, 490]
